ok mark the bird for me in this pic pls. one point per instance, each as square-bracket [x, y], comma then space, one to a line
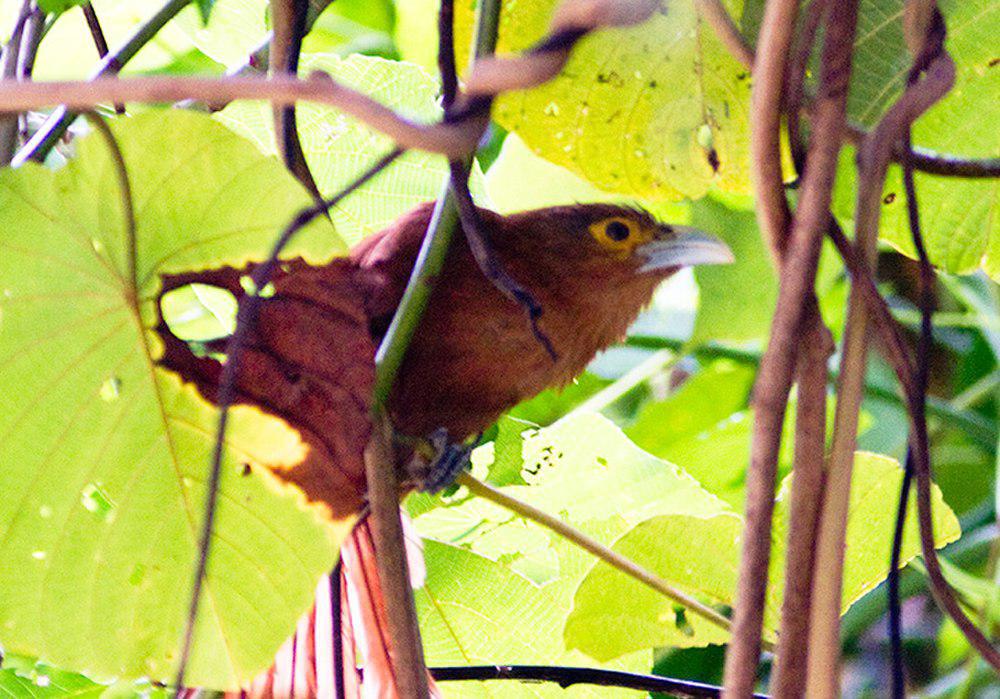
[309, 358]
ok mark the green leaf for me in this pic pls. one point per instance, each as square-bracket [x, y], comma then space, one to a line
[658, 110]
[103, 454]
[416, 31]
[473, 610]
[58, 6]
[711, 395]
[508, 460]
[233, 31]
[338, 148]
[959, 218]
[751, 276]
[614, 614]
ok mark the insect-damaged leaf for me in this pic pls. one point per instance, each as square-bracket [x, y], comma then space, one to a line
[103, 453]
[659, 110]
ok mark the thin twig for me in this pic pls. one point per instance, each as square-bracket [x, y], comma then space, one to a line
[769, 68]
[34, 31]
[454, 140]
[55, 126]
[288, 17]
[895, 623]
[128, 205]
[406, 651]
[8, 71]
[570, 676]
[383, 481]
[100, 42]
[795, 92]
[593, 547]
[245, 318]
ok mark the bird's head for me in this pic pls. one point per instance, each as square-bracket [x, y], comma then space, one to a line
[593, 267]
[613, 244]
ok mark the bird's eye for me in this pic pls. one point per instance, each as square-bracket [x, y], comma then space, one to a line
[617, 231]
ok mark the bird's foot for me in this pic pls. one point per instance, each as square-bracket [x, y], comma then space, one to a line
[446, 460]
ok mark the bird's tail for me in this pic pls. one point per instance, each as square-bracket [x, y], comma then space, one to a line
[305, 666]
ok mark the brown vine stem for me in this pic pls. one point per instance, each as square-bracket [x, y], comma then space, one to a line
[593, 547]
[775, 376]
[808, 471]
[873, 162]
[405, 647]
[8, 70]
[769, 68]
[288, 17]
[453, 140]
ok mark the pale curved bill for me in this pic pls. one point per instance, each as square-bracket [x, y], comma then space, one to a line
[684, 247]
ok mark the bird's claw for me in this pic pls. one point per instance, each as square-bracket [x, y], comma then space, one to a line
[448, 460]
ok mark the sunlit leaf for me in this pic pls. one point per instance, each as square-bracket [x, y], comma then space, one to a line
[614, 614]
[658, 110]
[103, 454]
[476, 611]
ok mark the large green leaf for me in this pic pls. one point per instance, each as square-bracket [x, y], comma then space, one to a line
[959, 217]
[614, 614]
[103, 454]
[658, 110]
[338, 148]
[474, 610]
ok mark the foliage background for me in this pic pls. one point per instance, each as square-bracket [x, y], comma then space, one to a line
[634, 117]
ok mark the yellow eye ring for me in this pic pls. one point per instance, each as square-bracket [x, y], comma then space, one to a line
[616, 234]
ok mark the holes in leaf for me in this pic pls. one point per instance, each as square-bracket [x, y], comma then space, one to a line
[199, 314]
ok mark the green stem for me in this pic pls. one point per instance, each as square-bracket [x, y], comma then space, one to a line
[437, 241]
[55, 126]
[981, 430]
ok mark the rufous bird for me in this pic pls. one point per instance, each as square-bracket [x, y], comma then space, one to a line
[310, 356]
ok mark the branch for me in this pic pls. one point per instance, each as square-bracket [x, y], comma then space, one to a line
[570, 676]
[453, 140]
[55, 126]
[245, 317]
[932, 162]
[100, 42]
[409, 669]
[289, 20]
[775, 377]
[405, 648]
[8, 71]
[593, 547]
[873, 162]
[789, 677]
[486, 259]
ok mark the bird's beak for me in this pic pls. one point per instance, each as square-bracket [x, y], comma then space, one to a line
[681, 246]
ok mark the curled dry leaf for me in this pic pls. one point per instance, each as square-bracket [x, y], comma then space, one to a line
[308, 360]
